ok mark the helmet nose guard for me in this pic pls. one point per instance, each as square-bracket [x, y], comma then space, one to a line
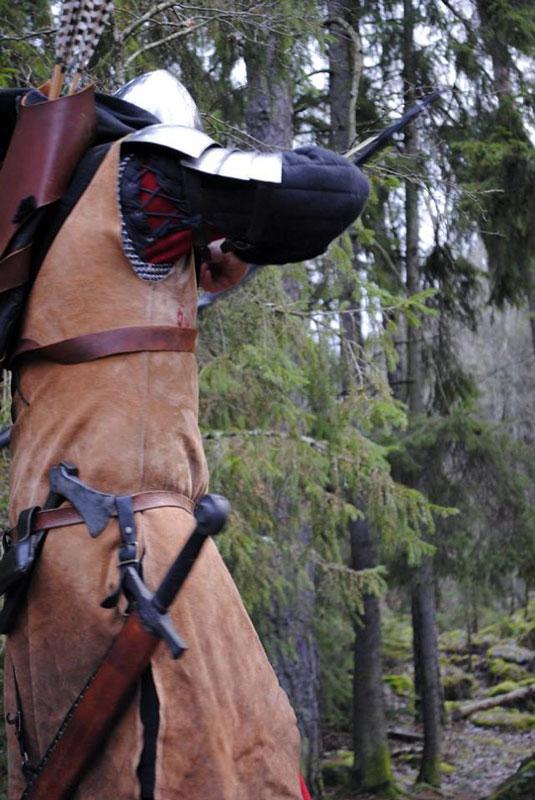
[162, 95]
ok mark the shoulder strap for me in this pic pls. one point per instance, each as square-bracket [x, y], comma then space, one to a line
[92, 346]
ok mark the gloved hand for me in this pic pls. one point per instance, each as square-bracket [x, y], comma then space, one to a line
[223, 270]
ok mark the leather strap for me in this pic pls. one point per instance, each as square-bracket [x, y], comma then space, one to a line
[15, 269]
[91, 346]
[142, 501]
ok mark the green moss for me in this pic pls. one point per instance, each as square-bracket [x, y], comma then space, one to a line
[396, 641]
[527, 637]
[447, 769]
[519, 626]
[402, 685]
[520, 785]
[452, 705]
[430, 772]
[505, 719]
[378, 771]
[502, 688]
[500, 670]
[511, 652]
[484, 641]
[484, 740]
[458, 685]
[409, 758]
[337, 770]
[453, 641]
[340, 758]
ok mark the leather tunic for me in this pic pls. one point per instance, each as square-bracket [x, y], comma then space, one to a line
[129, 422]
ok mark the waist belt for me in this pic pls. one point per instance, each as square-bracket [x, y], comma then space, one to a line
[91, 346]
[142, 501]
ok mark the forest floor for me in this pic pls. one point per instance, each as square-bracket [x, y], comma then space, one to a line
[478, 753]
[476, 761]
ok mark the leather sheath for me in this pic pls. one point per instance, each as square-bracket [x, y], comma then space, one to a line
[48, 141]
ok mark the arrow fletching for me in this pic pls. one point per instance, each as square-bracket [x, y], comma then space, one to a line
[91, 21]
[70, 10]
[80, 27]
[68, 20]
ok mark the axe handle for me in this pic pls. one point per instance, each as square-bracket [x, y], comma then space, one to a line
[92, 717]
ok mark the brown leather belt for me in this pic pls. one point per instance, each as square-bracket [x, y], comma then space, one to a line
[90, 346]
[143, 501]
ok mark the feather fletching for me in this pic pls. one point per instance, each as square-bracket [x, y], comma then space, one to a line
[80, 27]
[92, 18]
[68, 21]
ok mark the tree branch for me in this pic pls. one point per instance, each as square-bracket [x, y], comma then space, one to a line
[31, 35]
[129, 30]
[164, 40]
[465, 22]
[317, 444]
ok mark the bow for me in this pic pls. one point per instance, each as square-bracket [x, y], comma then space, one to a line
[359, 155]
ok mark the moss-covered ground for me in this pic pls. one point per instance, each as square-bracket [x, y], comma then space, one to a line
[481, 753]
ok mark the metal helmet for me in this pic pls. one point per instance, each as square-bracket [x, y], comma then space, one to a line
[162, 95]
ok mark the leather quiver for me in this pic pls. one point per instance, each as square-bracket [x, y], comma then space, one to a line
[48, 141]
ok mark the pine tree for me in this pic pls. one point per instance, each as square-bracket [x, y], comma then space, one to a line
[372, 760]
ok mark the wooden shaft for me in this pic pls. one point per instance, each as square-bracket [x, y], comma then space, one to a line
[105, 697]
[56, 83]
[74, 83]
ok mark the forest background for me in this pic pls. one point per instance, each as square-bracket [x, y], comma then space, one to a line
[370, 413]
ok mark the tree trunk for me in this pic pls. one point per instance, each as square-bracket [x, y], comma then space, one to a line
[372, 756]
[293, 650]
[345, 68]
[425, 641]
[269, 98]
[371, 753]
[292, 647]
[426, 656]
[502, 67]
[531, 306]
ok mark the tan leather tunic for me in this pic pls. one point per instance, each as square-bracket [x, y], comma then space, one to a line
[129, 422]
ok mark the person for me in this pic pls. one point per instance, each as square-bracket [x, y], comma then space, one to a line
[107, 380]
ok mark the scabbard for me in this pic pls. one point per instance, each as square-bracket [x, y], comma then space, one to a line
[92, 716]
[107, 692]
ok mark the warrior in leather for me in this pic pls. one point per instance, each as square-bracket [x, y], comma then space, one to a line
[107, 380]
